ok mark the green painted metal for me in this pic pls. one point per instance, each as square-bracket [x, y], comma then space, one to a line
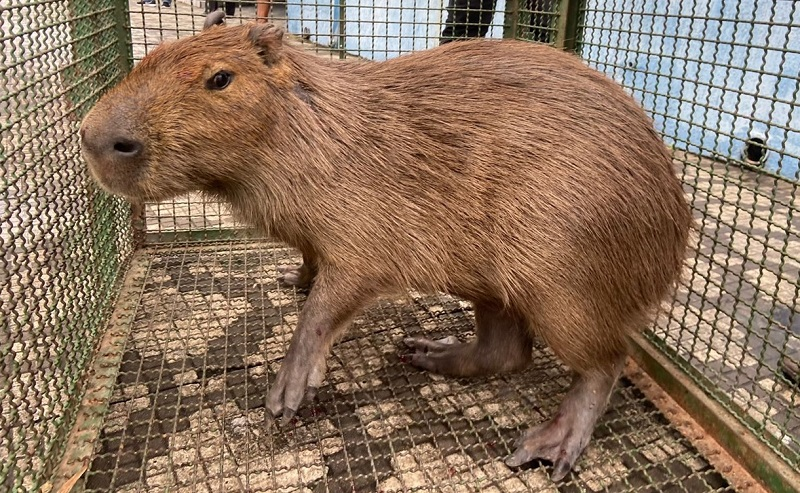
[761, 462]
[511, 19]
[205, 236]
[568, 15]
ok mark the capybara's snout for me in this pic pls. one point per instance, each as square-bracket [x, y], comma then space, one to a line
[114, 151]
[111, 145]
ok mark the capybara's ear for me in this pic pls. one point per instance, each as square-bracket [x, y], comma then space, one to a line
[215, 18]
[269, 38]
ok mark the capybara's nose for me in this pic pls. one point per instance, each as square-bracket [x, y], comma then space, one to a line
[127, 148]
[109, 145]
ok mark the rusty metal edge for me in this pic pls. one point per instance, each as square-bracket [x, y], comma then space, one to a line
[101, 377]
[710, 449]
[764, 465]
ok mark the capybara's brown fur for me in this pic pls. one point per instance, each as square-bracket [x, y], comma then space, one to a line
[506, 173]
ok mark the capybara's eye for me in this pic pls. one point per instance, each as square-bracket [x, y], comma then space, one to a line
[220, 80]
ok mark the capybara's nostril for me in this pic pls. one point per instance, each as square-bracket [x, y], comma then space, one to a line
[127, 148]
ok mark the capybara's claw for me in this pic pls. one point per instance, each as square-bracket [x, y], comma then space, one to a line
[791, 368]
[560, 441]
[288, 414]
[519, 457]
[297, 383]
[290, 277]
[562, 465]
[274, 409]
[311, 394]
[561, 468]
[425, 362]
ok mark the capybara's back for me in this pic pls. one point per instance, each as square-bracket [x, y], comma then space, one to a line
[507, 173]
[531, 178]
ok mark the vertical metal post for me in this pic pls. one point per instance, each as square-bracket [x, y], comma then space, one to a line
[123, 36]
[511, 19]
[568, 15]
[341, 11]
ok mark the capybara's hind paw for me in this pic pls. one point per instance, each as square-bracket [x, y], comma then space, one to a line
[556, 441]
[445, 356]
[449, 357]
[298, 277]
[424, 344]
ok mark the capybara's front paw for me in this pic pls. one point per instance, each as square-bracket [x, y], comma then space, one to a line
[297, 382]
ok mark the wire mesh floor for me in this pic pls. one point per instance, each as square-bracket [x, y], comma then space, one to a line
[208, 330]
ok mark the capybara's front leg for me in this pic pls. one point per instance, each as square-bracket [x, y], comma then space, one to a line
[330, 306]
[562, 439]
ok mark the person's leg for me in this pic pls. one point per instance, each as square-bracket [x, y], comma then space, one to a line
[462, 20]
[485, 17]
[230, 8]
[262, 10]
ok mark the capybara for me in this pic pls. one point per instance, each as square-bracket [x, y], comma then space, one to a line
[506, 173]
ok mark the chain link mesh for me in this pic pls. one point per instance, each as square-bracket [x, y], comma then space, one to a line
[332, 29]
[721, 81]
[62, 242]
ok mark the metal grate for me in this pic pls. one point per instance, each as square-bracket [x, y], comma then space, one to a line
[537, 21]
[62, 244]
[716, 77]
[210, 324]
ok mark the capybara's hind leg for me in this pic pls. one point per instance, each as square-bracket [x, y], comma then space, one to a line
[301, 276]
[503, 343]
[562, 439]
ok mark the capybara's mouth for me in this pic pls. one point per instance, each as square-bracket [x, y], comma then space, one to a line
[123, 181]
